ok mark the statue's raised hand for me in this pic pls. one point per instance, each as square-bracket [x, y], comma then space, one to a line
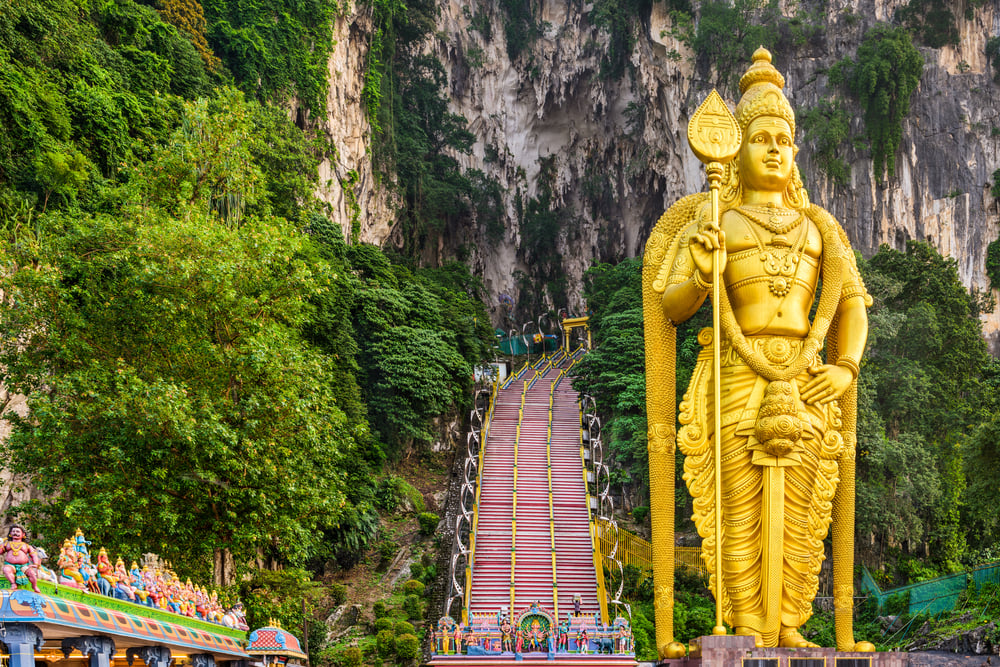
[703, 244]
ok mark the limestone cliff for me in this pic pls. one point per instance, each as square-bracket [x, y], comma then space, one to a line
[617, 150]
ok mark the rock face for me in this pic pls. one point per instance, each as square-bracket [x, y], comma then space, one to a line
[618, 152]
[347, 180]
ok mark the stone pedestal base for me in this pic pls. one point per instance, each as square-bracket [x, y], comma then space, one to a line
[736, 651]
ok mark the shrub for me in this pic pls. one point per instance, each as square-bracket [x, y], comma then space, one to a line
[385, 643]
[403, 628]
[413, 607]
[383, 624]
[640, 513]
[993, 263]
[416, 570]
[378, 609]
[428, 522]
[349, 657]
[338, 593]
[387, 548]
[407, 647]
[413, 587]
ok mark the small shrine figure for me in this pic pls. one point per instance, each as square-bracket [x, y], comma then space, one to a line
[519, 642]
[20, 559]
[68, 565]
[105, 573]
[435, 640]
[123, 587]
[506, 635]
[80, 543]
[562, 643]
[550, 641]
[582, 641]
[456, 632]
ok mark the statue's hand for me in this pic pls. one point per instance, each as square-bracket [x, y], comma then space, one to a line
[827, 384]
[703, 244]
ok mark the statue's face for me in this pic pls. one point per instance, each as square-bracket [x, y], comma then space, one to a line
[16, 533]
[767, 154]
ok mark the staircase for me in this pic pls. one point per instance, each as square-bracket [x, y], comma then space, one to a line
[532, 533]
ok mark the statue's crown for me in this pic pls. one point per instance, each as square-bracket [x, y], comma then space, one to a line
[761, 87]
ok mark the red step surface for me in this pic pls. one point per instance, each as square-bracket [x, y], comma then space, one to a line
[574, 555]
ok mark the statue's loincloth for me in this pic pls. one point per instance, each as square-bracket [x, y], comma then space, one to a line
[781, 500]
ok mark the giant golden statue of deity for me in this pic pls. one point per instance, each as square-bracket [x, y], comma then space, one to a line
[786, 415]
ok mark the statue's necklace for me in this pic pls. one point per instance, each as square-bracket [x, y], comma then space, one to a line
[772, 222]
[779, 257]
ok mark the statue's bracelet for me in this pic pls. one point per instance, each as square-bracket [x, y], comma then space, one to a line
[849, 364]
[699, 282]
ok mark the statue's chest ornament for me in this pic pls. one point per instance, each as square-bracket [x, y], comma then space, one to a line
[780, 258]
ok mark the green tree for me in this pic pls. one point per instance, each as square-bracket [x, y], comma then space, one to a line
[922, 387]
[175, 402]
[729, 31]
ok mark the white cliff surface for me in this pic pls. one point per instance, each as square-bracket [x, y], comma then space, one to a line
[626, 138]
[347, 180]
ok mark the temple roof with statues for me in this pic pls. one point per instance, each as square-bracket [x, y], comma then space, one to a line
[95, 609]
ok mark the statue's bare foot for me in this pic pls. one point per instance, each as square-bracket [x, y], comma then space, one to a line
[790, 638]
[758, 641]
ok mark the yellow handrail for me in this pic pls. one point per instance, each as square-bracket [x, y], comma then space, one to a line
[552, 519]
[513, 507]
[637, 552]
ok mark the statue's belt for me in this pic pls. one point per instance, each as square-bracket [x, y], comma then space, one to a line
[778, 350]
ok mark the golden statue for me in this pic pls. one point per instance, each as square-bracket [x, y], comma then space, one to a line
[787, 419]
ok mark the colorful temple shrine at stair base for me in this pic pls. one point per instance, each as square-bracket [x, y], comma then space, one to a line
[271, 645]
[533, 635]
[528, 584]
[102, 615]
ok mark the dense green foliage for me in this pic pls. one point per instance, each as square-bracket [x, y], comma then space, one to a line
[728, 33]
[993, 55]
[416, 136]
[276, 50]
[993, 263]
[519, 26]
[207, 361]
[882, 78]
[927, 382]
[931, 22]
[829, 125]
[618, 19]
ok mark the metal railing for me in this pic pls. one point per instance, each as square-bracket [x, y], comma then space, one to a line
[463, 549]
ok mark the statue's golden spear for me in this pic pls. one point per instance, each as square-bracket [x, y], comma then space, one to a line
[715, 137]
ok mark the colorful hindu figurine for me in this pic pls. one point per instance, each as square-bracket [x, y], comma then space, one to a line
[124, 585]
[506, 635]
[535, 636]
[519, 641]
[68, 565]
[582, 641]
[106, 572]
[80, 543]
[562, 644]
[20, 559]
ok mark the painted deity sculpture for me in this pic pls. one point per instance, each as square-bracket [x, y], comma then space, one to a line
[20, 560]
[787, 415]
